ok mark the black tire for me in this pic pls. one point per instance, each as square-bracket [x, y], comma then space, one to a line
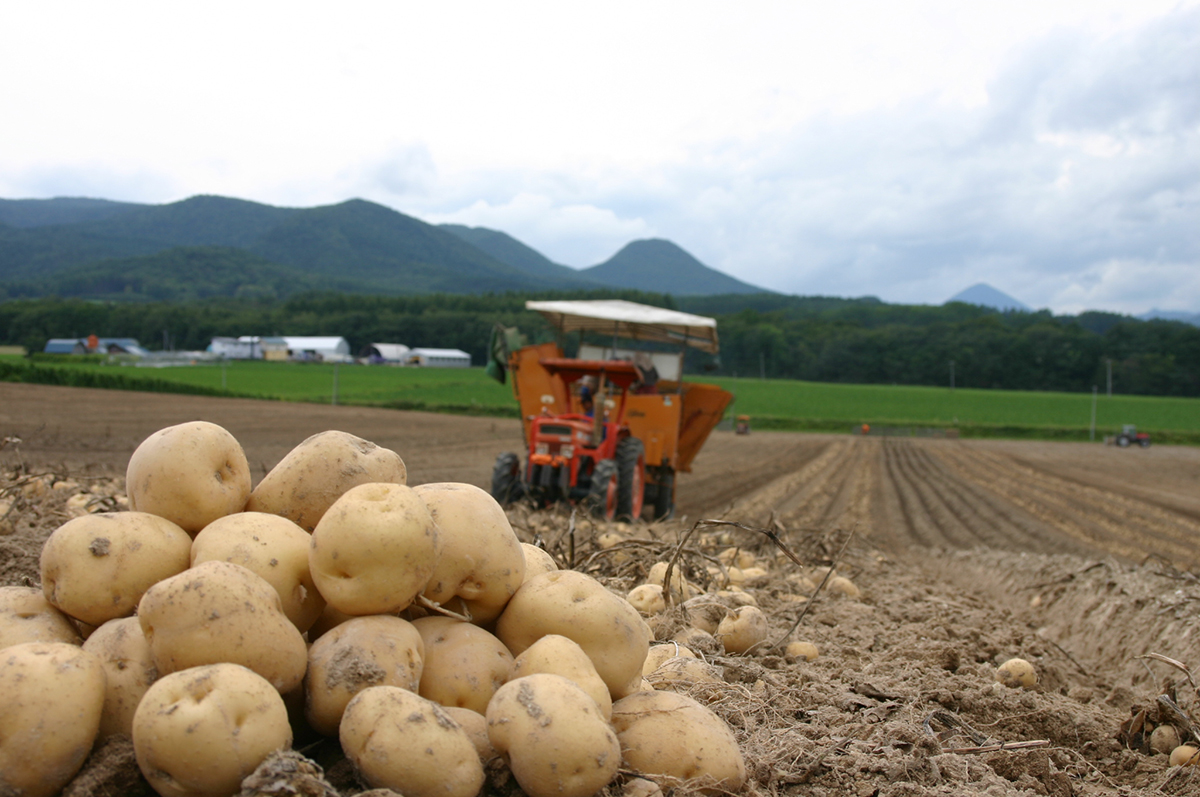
[631, 478]
[601, 500]
[1122, 441]
[506, 479]
[1144, 442]
[664, 496]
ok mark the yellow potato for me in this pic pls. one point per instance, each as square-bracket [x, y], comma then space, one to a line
[201, 731]
[403, 742]
[580, 608]
[537, 561]
[1017, 673]
[26, 616]
[482, 563]
[274, 548]
[475, 724]
[464, 664]
[53, 695]
[1185, 755]
[801, 650]
[556, 742]
[660, 654]
[380, 650]
[558, 655]
[743, 629]
[680, 674]
[97, 567]
[647, 599]
[190, 474]
[221, 612]
[321, 470]
[671, 738]
[680, 588]
[129, 668]
[374, 550]
[840, 585]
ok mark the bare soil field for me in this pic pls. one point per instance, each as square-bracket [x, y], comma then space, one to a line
[1080, 558]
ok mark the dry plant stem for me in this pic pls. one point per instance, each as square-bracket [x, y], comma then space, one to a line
[951, 721]
[571, 533]
[1163, 700]
[992, 748]
[812, 598]
[425, 603]
[1068, 655]
[1177, 665]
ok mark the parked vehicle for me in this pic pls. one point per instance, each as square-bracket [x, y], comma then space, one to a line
[1130, 435]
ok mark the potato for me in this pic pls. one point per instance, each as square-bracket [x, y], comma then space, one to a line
[321, 470]
[26, 616]
[129, 670]
[274, 548]
[1164, 739]
[737, 557]
[840, 585]
[190, 474]
[53, 697]
[537, 560]
[743, 629]
[366, 651]
[660, 654]
[374, 550]
[670, 737]
[330, 619]
[1017, 673]
[482, 562]
[475, 724]
[558, 655]
[464, 664]
[801, 650]
[647, 599]
[580, 608]
[97, 567]
[553, 736]
[1185, 755]
[681, 673]
[401, 741]
[199, 732]
[680, 588]
[221, 612]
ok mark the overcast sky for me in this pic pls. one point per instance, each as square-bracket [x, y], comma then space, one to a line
[906, 150]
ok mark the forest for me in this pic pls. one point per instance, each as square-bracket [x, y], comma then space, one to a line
[822, 339]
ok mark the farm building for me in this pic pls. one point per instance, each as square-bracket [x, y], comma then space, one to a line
[328, 349]
[439, 358]
[386, 354]
[249, 347]
[95, 345]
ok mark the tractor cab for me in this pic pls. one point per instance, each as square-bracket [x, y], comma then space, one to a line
[611, 427]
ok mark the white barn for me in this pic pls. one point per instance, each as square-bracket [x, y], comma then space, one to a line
[386, 353]
[439, 358]
[329, 349]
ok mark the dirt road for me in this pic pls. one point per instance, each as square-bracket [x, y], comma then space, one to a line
[898, 492]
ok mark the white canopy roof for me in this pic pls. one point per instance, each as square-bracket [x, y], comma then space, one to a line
[631, 320]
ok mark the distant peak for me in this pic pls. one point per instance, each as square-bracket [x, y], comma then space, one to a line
[986, 296]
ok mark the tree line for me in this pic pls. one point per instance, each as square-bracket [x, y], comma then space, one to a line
[810, 338]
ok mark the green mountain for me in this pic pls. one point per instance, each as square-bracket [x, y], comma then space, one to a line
[660, 266]
[507, 249]
[60, 210]
[196, 221]
[170, 276]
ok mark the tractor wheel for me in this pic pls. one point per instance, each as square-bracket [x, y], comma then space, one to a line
[602, 496]
[1123, 441]
[1144, 442]
[506, 479]
[664, 497]
[631, 478]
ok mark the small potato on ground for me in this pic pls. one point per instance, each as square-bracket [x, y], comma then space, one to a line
[1016, 673]
[743, 629]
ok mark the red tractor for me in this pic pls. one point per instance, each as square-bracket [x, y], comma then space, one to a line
[1131, 436]
[611, 427]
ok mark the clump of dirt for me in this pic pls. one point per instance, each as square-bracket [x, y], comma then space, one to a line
[110, 771]
[287, 774]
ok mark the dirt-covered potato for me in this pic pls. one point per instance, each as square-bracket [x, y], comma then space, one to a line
[366, 651]
[671, 738]
[191, 474]
[482, 563]
[537, 561]
[743, 629]
[401, 741]
[26, 616]
[319, 471]
[580, 608]
[681, 590]
[129, 668]
[647, 599]
[556, 742]
[475, 724]
[374, 550]
[464, 664]
[274, 548]
[802, 650]
[660, 654]
[222, 612]
[1017, 673]
[680, 674]
[97, 567]
[53, 695]
[200, 731]
[556, 654]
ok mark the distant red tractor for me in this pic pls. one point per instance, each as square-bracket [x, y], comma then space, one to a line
[1130, 436]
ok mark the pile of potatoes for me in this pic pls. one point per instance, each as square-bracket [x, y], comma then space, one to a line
[212, 623]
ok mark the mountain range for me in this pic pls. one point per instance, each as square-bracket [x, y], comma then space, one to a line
[208, 246]
[986, 296]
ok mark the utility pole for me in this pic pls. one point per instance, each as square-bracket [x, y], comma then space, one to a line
[1092, 431]
[1109, 362]
[952, 375]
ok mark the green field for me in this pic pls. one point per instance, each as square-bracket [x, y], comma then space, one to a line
[772, 404]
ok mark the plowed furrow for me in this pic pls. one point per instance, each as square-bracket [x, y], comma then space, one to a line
[914, 520]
